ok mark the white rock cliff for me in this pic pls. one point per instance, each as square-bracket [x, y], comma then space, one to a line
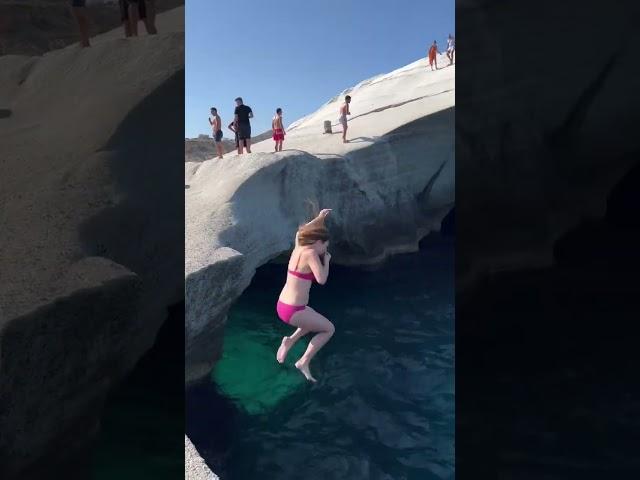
[86, 277]
[389, 187]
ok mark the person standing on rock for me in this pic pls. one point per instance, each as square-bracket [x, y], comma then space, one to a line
[433, 51]
[451, 48]
[143, 10]
[309, 261]
[242, 114]
[344, 111]
[278, 129]
[132, 11]
[79, 9]
[232, 127]
[216, 126]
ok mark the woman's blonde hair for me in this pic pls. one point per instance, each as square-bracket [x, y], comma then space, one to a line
[310, 234]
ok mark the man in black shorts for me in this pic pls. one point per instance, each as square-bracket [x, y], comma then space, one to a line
[82, 18]
[132, 11]
[232, 127]
[216, 126]
[242, 115]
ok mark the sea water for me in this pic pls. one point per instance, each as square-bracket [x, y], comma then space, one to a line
[142, 427]
[383, 407]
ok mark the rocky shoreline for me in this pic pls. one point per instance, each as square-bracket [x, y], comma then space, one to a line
[195, 468]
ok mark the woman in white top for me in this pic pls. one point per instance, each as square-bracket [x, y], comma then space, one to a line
[451, 48]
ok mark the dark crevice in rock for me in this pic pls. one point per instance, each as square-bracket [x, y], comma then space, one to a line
[422, 198]
[564, 135]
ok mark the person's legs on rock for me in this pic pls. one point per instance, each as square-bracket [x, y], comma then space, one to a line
[150, 16]
[82, 18]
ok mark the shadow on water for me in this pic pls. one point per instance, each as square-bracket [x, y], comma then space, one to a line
[384, 403]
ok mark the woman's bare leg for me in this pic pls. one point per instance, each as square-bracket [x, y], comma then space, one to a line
[309, 319]
[288, 342]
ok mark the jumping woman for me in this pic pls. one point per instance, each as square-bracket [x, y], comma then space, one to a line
[309, 261]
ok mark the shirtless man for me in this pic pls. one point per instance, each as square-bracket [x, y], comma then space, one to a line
[216, 125]
[278, 130]
[451, 48]
[344, 111]
[433, 51]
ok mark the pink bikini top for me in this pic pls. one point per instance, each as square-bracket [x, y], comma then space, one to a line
[305, 276]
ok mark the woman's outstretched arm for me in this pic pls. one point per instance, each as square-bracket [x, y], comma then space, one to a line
[320, 218]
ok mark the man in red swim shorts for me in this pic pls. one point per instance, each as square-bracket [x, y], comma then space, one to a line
[278, 130]
[433, 51]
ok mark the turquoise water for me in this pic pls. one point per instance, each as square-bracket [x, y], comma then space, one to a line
[383, 407]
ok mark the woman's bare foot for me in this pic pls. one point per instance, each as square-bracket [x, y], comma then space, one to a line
[284, 349]
[304, 368]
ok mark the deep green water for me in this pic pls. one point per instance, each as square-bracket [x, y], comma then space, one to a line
[142, 434]
[383, 407]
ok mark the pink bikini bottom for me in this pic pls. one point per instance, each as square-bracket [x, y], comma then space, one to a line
[285, 311]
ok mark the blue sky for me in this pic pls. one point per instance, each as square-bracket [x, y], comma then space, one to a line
[297, 54]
